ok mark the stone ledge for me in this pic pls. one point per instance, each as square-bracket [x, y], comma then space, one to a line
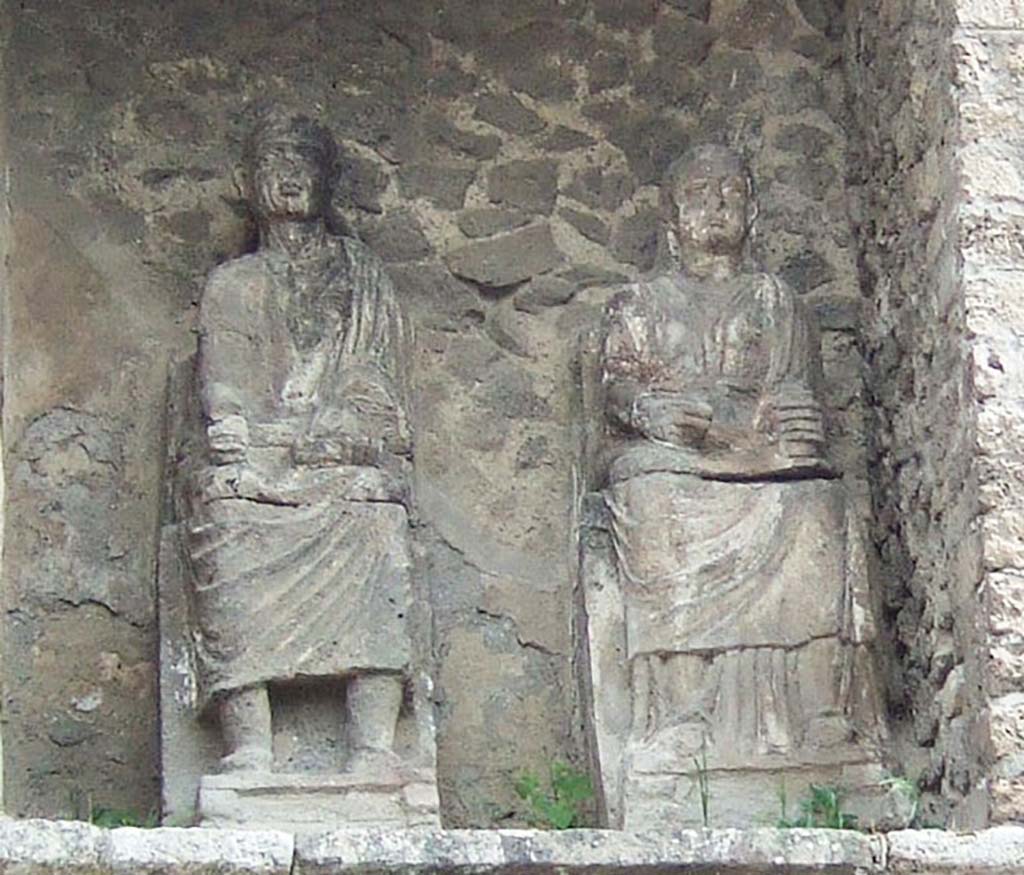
[42, 847]
[594, 852]
[996, 851]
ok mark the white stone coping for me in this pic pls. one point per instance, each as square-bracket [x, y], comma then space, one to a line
[43, 847]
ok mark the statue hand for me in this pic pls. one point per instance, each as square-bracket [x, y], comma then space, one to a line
[340, 449]
[229, 439]
[801, 426]
[673, 418]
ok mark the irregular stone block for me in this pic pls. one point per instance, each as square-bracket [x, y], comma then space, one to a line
[507, 259]
[485, 222]
[635, 239]
[528, 185]
[505, 111]
[445, 185]
[588, 225]
[563, 139]
[544, 292]
[397, 237]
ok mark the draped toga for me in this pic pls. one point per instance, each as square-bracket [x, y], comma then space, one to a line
[727, 544]
[301, 566]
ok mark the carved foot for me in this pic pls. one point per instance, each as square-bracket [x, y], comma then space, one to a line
[379, 764]
[251, 758]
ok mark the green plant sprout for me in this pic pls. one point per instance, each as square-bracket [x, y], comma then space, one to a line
[822, 809]
[112, 818]
[560, 806]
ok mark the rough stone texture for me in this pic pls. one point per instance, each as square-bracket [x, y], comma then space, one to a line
[997, 851]
[941, 338]
[126, 122]
[728, 852]
[37, 847]
[132, 851]
[988, 70]
[506, 260]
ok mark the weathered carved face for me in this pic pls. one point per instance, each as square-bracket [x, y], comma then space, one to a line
[713, 205]
[289, 182]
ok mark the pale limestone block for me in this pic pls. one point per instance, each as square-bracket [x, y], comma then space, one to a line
[199, 852]
[400, 851]
[503, 852]
[40, 847]
[998, 851]
[990, 13]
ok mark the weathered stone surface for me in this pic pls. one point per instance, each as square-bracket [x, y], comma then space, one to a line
[992, 852]
[730, 852]
[682, 41]
[360, 184]
[526, 185]
[635, 239]
[437, 299]
[397, 237]
[544, 292]
[445, 185]
[608, 69]
[508, 258]
[563, 139]
[47, 847]
[508, 113]
[197, 852]
[807, 270]
[601, 188]
[693, 645]
[589, 225]
[487, 221]
[279, 452]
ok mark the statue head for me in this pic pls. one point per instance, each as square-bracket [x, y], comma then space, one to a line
[708, 197]
[290, 159]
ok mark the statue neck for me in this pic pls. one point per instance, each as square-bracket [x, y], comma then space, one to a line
[294, 238]
[711, 265]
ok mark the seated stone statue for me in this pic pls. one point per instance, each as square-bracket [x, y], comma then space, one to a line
[741, 569]
[298, 532]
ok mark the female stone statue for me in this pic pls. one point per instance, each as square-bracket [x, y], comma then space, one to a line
[298, 535]
[746, 606]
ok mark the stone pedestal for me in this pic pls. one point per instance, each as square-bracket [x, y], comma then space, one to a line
[304, 802]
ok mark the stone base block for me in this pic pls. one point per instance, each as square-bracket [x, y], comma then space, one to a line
[751, 798]
[308, 802]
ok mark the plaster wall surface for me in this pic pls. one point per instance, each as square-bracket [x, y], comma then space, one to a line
[503, 158]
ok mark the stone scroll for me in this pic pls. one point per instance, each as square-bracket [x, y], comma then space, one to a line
[294, 687]
[726, 631]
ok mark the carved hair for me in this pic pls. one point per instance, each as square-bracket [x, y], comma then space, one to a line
[281, 127]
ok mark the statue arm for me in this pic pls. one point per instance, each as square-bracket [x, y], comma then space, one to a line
[790, 409]
[637, 401]
[222, 359]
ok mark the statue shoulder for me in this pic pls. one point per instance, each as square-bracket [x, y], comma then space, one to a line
[224, 293]
[230, 274]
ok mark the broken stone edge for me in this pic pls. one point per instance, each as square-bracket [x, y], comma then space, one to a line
[43, 847]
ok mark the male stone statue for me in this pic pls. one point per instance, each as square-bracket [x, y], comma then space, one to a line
[741, 571]
[298, 538]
